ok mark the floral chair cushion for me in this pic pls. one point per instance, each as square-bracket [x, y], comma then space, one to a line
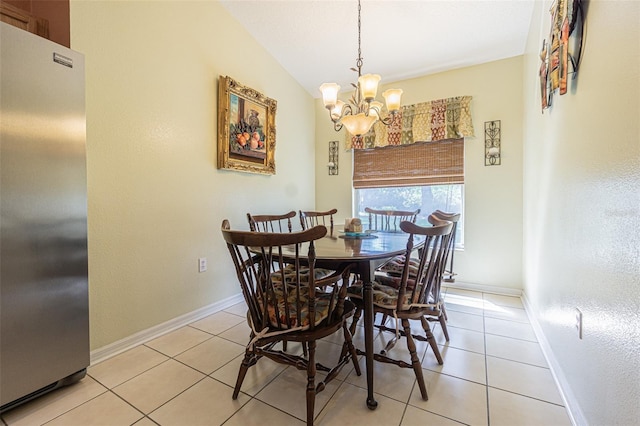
[396, 265]
[295, 320]
[322, 298]
[394, 282]
[290, 274]
[383, 295]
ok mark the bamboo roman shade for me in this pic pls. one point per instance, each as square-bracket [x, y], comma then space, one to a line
[421, 163]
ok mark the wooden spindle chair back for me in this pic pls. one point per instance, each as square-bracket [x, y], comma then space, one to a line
[271, 222]
[453, 218]
[389, 220]
[309, 219]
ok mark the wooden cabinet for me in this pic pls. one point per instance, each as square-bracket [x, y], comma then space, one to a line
[21, 19]
[46, 18]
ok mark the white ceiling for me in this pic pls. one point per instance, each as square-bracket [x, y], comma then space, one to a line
[316, 41]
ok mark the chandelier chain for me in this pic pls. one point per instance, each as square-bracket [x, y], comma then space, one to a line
[361, 110]
[359, 60]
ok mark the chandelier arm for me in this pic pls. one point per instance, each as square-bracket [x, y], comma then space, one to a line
[337, 121]
[375, 108]
[347, 109]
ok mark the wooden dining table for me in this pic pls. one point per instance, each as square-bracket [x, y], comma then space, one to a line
[365, 253]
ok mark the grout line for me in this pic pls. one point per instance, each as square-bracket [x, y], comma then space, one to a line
[150, 419]
[511, 337]
[527, 396]
[519, 362]
[404, 412]
[79, 405]
[240, 408]
[170, 399]
[253, 398]
[129, 404]
[486, 364]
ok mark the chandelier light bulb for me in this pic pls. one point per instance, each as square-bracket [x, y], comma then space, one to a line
[392, 98]
[329, 94]
[375, 108]
[336, 111]
[369, 86]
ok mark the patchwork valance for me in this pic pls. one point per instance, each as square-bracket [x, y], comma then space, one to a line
[424, 122]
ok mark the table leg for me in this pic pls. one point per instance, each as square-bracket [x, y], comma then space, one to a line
[367, 293]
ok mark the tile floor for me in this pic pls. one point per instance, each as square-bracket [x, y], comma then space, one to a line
[494, 373]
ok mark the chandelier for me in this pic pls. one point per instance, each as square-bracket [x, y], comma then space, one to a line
[362, 110]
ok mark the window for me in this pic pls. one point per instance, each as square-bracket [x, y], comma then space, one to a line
[424, 175]
[428, 198]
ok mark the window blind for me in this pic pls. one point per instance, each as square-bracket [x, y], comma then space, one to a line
[421, 163]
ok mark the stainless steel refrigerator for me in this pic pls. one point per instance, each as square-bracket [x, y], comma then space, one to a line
[44, 312]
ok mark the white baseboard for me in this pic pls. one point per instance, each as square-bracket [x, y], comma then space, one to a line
[570, 402]
[151, 333]
[516, 292]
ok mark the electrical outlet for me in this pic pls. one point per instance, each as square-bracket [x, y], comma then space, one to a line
[579, 322]
[202, 264]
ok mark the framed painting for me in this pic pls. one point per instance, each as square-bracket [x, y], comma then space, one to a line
[246, 129]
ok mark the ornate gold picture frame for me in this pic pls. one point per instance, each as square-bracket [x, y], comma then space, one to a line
[246, 129]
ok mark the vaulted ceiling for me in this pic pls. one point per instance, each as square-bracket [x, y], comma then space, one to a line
[316, 41]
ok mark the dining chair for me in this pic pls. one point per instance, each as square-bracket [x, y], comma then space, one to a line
[409, 298]
[280, 223]
[389, 220]
[454, 218]
[448, 274]
[389, 272]
[288, 305]
[392, 269]
[309, 219]
[271, 222]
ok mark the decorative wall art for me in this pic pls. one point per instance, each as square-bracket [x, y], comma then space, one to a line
[561, 53]
[333, 158]
[246, 129]
[492, 143]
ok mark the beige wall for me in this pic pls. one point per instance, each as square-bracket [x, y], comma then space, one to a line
[493, 195]
[582, 214]
[156, 199]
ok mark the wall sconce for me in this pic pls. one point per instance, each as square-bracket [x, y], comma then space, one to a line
[492, 155]
[333, 158]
